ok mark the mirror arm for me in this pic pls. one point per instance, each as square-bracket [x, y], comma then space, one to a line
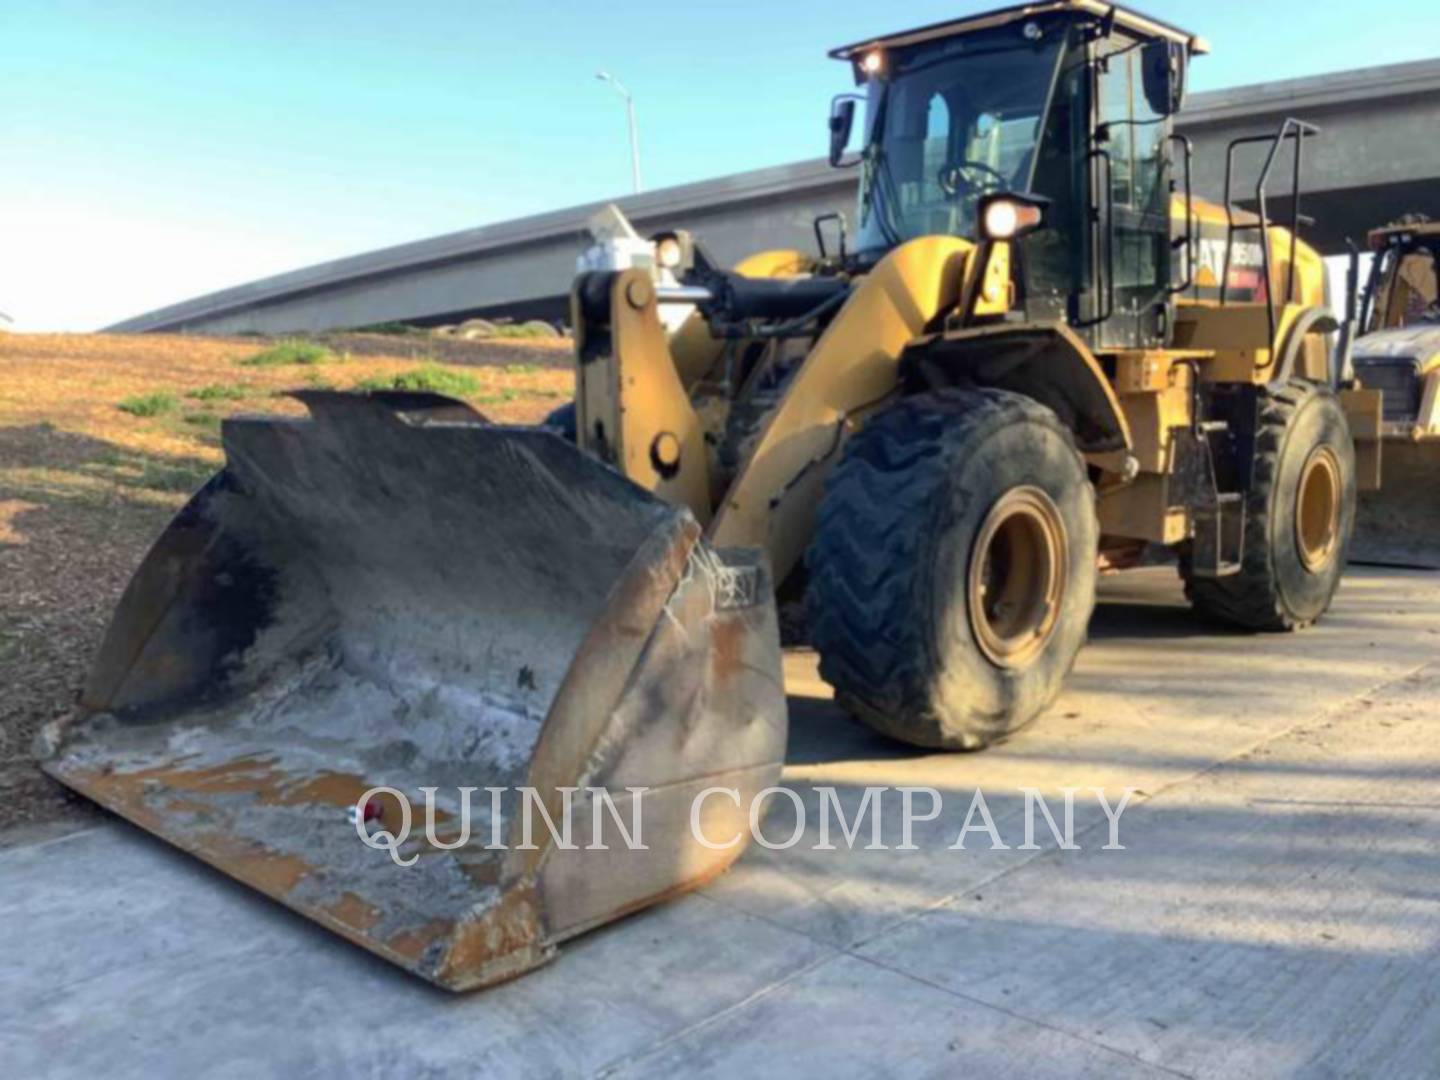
[835, 216]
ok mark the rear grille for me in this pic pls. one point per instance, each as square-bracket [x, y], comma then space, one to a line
[1397, 380]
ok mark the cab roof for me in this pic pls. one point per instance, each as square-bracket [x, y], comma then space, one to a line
[1403, 231]
[1142, 25]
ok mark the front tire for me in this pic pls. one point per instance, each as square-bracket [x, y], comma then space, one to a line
[1299, 516]
[953, 567]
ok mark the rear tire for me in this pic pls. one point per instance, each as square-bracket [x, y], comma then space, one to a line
[953, 567]
[1299, 516]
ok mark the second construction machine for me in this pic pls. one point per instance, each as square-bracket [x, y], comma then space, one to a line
[1037, 354]
[1398, 353]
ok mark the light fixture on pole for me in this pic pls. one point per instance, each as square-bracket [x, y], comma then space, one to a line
[605, 76]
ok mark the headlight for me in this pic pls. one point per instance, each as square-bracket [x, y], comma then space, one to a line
[873, 62]
[1005, 217]
[669, 253]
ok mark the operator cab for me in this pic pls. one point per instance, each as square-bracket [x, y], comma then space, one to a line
[1399, 349]
[1063, 108]
[1404, 285]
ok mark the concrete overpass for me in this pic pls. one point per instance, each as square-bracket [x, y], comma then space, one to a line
[1378, 156]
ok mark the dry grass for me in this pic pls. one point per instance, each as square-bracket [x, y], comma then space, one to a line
[76, 382]
[85, 485]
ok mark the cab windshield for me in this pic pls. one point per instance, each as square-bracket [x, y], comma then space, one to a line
[1407, 277]
[952, 121]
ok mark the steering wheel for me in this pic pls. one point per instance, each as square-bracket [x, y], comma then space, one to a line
[952, 177]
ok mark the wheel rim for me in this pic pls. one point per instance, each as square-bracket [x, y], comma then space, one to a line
[1017, 577]
[1317, 509]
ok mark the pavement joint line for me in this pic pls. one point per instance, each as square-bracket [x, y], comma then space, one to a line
[730, 905]
[1024, 1018]
[1349, 803]
[51, 841]
[626, 1061]
[837, 953]
[56, 993]
[1320, 719]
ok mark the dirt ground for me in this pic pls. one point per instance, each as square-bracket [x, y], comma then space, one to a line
[86, 486]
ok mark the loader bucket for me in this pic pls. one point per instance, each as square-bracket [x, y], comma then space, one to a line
[1399, 525]
[393, 593]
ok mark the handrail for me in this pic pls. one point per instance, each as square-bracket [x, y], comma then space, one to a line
[1190, 240]
[1290, 128]
[1104, 224]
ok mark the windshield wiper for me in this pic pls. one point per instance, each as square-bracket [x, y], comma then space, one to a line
[877, 172]
[881, 204]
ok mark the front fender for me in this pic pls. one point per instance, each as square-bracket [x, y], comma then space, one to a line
[1044, 361]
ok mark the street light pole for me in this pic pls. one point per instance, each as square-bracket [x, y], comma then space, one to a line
[605, 76]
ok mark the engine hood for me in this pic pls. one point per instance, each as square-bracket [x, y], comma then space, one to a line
[1419, 343]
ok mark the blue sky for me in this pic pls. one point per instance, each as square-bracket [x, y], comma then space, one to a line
[152, 151]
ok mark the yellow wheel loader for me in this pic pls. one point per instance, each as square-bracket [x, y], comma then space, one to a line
[1037, 354]
[1398, 353]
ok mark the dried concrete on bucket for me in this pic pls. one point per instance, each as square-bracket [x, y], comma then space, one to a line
[325, 718]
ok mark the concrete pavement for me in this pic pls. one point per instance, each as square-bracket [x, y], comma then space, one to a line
[1275, 910]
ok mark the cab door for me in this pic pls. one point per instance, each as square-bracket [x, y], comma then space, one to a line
[1132, 173]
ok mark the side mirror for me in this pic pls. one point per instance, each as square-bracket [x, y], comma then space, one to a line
[842, 122]
[1162, 65]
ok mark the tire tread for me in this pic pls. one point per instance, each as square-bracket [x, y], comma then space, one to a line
[865, 561]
